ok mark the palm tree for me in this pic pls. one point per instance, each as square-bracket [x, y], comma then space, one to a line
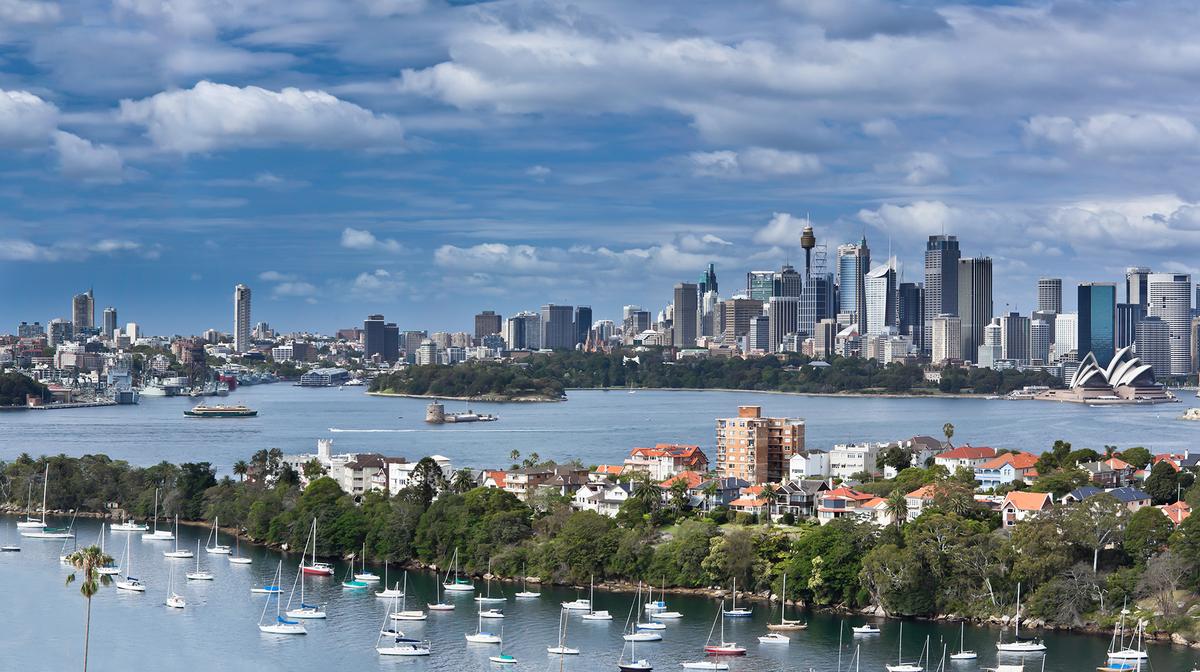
[464, 480]
[86, 561]
[710, 493]
[240, 469]
[897, 508]
[948, 430]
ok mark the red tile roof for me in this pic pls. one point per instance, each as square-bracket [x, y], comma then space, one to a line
[1117, 464]
[924, 492]
[1177, 512]
[498, 476]
[969, 453]
[847, 493]
[748, 502]
[690, 477]
[1028, 501]
[1020, 461]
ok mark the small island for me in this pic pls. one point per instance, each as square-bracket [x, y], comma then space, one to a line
[1191, 414]
[478, 381]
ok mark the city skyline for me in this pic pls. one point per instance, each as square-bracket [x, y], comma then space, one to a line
[484, 165]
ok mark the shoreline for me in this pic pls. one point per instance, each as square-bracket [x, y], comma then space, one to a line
[483, 398]
[842, 395]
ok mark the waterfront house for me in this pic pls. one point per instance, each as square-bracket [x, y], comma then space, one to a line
[1005, 469]
[752, 501]
[843, 502]
[605, 499]
[666, 459]
[968, 457]
[1111, 473]
[810, 463]
[921, 451]
[524, 482]
[692, 480]
[1177, 512]
[565, 483]
[494, 478]
[721, 491]
[605, 473]
[1018, 506]
[399, 473]
[1186, 461]
[799, 497]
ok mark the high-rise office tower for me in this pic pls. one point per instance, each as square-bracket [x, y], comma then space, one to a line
[941, 280]
[373, 338]
[758, 338]
[241, 318]
[1066, 336]
[760, 285]
[1153, 344]
[708, 280]
[110, 322]
[710, 315]
[783, 313]
[558, 327]
[881, 300]
[1097, 321]
[1014, 337]
[487, 323]
[1049, 295]
[1047, 317]
[945, 338]
[583, 323]
[854, 260]
[737, 317]
[83, 310]
[1170, 298]
[1128, 316]
[391, 342]
[910, 313]
[974, 302]
[1195, 343]
[993, 345]
[787, 282]
[1136, 278]
[1041, 336]
[687, 316]
[817, 302]
[634, 321]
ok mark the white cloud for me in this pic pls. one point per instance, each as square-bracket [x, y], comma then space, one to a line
[25, 119]
[924, 168]
[293, 289]
[538, 172]
[359, 239]
[15, 249]
[1116, 133]
[754, 162]
[29, 11]
[213, 116]
[880, 128]
[376, 283]
[913, 221]
[81, 159]
[275, 276]
[783, 229]
[495, 257]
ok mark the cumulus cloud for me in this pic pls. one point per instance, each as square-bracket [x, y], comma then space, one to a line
[538, 172]
[915, 220]
[359, 239]
[16, 249]
[754, 162]
[275, 276]
[1116, 133]
[81, 159]
[29, 11]
[783, 229]
[924, 168]
[26, 120]
[293, 289]
[496, 257]
[212, 116]
[376, 283]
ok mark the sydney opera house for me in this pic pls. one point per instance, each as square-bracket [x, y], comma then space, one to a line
[1126, 380]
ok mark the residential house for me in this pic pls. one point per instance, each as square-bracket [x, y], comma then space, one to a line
[665, 460]
[1131, 497]
[605, 499]
[921, 451]
[846, 460]
[1177, 512]
[1181, 461]
[399, 473]
[720, 491]
[606, 473]
[968, 457]
[753, 500]
[524, 482]
[1079, 494]
[919, 499]
[692, 480]
[494, 478]
[1111, 473]
[565, 483]
[808, 464]
[1005, 469]
[799, 497]
[842, 502]
[1019, 505]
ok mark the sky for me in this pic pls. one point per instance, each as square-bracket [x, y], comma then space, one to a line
[428, 160]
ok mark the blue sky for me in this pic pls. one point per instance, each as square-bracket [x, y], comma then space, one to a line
[428, 160]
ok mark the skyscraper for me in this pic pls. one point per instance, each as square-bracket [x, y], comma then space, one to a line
[1097, 321]
[760, 285]
[83, 310]
[687, 316]
[759, 336]
[974, 302]
[241, 318]
[583, 323]
[783, 313]
[1049, 296]
[945, 338]
[1153, 344]
[1066, 336]
[1014, 337]
[881, 300]
[1135, 284]
[786, 282]
[391, 342]
[110, 321]
[708, 281]
[1170, 298]
[910, 313]
[941, 281]
[1128, 316]
[558, 327]
[486, 323]
[1041, 335]
[854, 260]
[737, 317]
[373, 338]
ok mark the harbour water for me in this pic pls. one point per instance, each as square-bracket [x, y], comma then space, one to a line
[594, 426]
[41, 624]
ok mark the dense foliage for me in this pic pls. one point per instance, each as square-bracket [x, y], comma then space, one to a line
[1076, 563]
[14, 387]
[786, 373]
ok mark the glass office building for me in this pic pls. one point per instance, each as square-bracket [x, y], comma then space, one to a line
[1098, 321]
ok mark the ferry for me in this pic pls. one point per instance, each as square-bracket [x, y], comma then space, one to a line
[238, 411]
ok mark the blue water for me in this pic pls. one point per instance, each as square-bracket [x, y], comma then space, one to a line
[41, 625]
[593, 426]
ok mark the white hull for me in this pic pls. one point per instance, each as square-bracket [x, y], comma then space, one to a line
[408, 616]
[562, 650]
[368, 577]
[306, 613]
[199, 576]
[158, 536]
[651, 626]
[965, 655]
[218, 550]
[440, 607]
[597, 616]
[643, 637]
[668, 614]
[30, 524]
[240, 561]
[389, 593]
[108, 571]
[577, 605]
[865, 630]
[491, 613]
[265, 591]
[904, 668]
[458, 588]
[128, 527]
[131, 587]
[490, 600]
[1128, 654]
[402, 650]
[705, 665]
[178, 555]
[527, 595]
[1021, 647]
[176, 602]
[774, 639]
[283, 629]
[48, 535]
[483, 638]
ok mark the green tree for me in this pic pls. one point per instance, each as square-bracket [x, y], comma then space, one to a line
[1163, 483]
[1097, 522]
[1138, 456]
[87, 562]
[1185, 545]
[1148, 531]
[948, 432]
[895, 457]
[240, 469]
[897, 508]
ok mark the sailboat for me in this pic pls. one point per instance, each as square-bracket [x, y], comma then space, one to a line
[179, 553]
[63, 554]
[399, 645]
[722, 647]
[487, 597]
[1018, 645]
[481, 636]
[38, 529]
[237, 558]
[784, 623]
[305, 610]
[174, 600]
[561, 649]
[458, 585]
[1119, 650]
[389, 593]
[31, 523]
[635, 633]
[525, 593]
[404, 614]
[157, 535]
[705, 665]
[127, 525]
[633, 663]
[7, 547]
[441, 604]
[280, 625]
[503, 658]
[217, 548]
[111, 569]
[198, 575]
[735, 611]
[592, 614]
[351, 583]
[316, 568]
[129, 583]
[902, 666]
[963, 653]
[364, 575]
[864, 629]
[659, 606]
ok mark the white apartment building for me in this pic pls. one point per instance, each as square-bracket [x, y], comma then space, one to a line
[848, 459]
[808, 464]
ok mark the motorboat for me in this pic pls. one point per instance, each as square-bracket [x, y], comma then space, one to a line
[491, 613]
[578, 605]
[866, 629]
[774, 638]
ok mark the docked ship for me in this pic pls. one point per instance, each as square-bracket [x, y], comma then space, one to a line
[203, 411]
[436, 414]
